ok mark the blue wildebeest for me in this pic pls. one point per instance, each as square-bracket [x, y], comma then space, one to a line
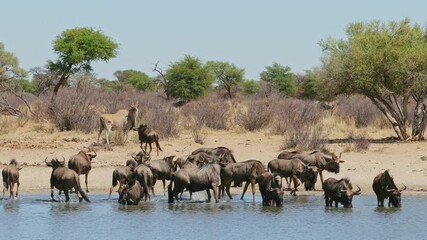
[202, 178]
[64, 179]
[339, 191]
[148, 136]
[124, 120]
[81, 163]
[384, 188]
[330, 163]
[11, 176]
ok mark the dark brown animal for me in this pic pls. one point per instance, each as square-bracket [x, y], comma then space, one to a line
[131, 195]
[316, 158]
[384, 188]
[205, 177]
[64, 179]
[270, 189]
[246, 171]
[339, 191]
[81, 163]
[162, 170]
[224, 155]
[122, 175]
[295, 169]
[145, 177]
[148, 136]
[11, 177]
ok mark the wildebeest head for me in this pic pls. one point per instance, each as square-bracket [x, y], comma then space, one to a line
[141, 157]
[346, 193]
[90, 153]
[332, 167]
[395, 196]
[55, 163]
[309, 177]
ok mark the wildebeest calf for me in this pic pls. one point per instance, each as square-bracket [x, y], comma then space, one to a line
[131, 195]
[11, 176]
[148, 136]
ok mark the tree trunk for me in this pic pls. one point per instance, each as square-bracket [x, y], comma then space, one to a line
[420, 119]
[61, 82]
[395, 113]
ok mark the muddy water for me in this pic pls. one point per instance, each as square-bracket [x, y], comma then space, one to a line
[302, 217]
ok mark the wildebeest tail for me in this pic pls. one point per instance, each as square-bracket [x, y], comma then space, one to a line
[156, 138]
[116, 178]
[80, 190]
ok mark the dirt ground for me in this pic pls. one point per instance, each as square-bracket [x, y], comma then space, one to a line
[407, 162]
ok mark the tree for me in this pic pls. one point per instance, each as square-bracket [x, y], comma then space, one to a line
[76, 49]
[385, 62]
[279, 77]
[137, 79]
[10, 75]
[187, 79]
[226, 75]
[249, 87]
[309, 86]
[43, 80]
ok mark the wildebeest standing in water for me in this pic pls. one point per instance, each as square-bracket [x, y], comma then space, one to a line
[162, 169]
[124, 120]
[148, 136]
[81, 163]
[339, 191]
[223, 154]
[131, 194]
[330, 163]
[11, 177]
[122, 175]
[245, 171]
[64, 179]
[296, 170]
[270, 189]
[384, 188]
[205, 177]
[144, 176]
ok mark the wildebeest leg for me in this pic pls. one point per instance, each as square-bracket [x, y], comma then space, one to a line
[253, 189]
[326, 201]
[321, 176]
[51, 193]
[87, 188]
[151, 148]
[380, 202]
[164, 187]
[227, 189]
[99, 132]
[296, 184]
[12, 185]
[4, 189]
[67, 197]
[244, 189]
[154, 183]
[209, 195]
[215, 192]
[287, 182]
[17, 188]
[336, 204]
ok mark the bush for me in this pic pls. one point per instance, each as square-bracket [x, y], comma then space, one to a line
[256, 115]
[212, 112]
[75, 110]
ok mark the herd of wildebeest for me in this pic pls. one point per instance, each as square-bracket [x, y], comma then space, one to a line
[204, 169]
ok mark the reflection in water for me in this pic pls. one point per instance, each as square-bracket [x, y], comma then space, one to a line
[36, 217]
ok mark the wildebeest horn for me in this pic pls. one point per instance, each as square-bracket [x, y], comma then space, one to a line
[133, 156]
[403, 188]
[64, 159]
[45, 159]
[389, 190]
[359, 191]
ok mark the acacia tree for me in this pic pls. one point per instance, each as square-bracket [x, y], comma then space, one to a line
[386, 62]
[227, 75]
[10, 74]
[187, 79]
[77, 48]
[279, 77]
[137, 79]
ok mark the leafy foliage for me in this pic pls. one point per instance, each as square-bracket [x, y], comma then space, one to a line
[227, 75]
[279, 77]
[139, 80]
[188, 79]
[249, 87]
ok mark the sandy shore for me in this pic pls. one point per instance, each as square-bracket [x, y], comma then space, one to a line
[407, 162]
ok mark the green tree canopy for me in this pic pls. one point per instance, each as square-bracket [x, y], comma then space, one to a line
[227, 75]
[77, 48]
[279, 77]
[387, 62]
[188, 79]
[250, 87]
[137, 79]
